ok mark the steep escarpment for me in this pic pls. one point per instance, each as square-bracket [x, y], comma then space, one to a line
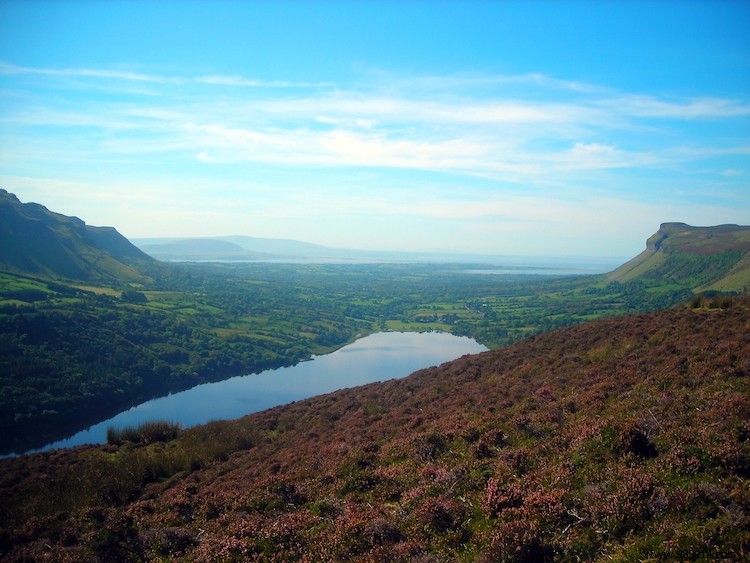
[700, 258]
[625, 438]
[37, 241]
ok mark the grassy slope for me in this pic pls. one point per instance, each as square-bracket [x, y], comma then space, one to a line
[737, 279]
[702, 258]
[638, 267]
[622, 439]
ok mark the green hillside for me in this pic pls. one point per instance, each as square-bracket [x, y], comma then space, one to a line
[700, 258]
[34, 240]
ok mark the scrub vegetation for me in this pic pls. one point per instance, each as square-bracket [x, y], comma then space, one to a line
[621, 439]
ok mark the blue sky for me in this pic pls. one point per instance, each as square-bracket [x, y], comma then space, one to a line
[508, 128]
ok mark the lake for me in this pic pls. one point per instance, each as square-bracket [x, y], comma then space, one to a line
[377, 357]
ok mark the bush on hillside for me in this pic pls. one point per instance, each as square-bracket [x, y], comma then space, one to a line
[145, 433]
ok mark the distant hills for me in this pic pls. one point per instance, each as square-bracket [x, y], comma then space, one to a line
[257, 249]
[251, 249]
[35, 240]
[702, 258]
[234, 248]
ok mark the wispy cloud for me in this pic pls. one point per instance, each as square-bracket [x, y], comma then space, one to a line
[245, 82]
[731, 172]
[108, 74]
[698, 108]
[8, 69]
[513, 139]
[472, 82]
[508, 148]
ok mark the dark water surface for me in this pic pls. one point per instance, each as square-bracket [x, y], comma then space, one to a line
[377, 357]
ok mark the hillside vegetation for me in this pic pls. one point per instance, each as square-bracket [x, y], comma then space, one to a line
[72, 355]
[620, 439]
[700, 258]
[90, 326]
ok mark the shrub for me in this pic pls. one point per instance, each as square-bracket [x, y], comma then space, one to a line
[360, 482]
[429, 447]
[131, 296]
[519, 541]
[635, 441]
[440, 514]
[165, 541]
[488, 444]
[382, 532]
[145, 433]
[113, 536]
[498, 497]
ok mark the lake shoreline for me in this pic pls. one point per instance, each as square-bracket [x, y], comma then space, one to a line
[379, 356]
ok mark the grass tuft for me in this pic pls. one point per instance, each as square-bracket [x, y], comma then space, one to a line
[145, 433]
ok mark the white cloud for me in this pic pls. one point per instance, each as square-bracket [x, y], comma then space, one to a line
[592, 156]
[469, 82]
[407, 110]
[697, 108]
[480, 152]
[241, 81]
[8, 69]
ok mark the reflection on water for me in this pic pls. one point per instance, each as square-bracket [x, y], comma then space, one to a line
[378, 357]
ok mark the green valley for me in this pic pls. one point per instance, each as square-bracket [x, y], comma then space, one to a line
[90, 325]
[75, 354]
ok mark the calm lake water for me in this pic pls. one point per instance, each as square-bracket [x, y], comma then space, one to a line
[378, 357]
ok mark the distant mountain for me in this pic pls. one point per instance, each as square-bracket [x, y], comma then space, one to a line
[199, 249]
[286, 247]
[701, 258]
[245, 248]
[37, 241]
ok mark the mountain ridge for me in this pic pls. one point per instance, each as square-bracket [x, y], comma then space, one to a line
[259, 249]
[248, 248]
[35, 240]
[713, 258]
[197, 249]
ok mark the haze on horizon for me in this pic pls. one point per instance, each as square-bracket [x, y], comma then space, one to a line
[510, 128]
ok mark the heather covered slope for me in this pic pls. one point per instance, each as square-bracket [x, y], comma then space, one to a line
[621, 439]
[700, 258]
